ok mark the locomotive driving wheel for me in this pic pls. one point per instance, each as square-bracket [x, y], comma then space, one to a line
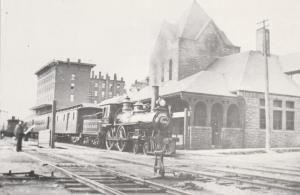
[108, 142]
[121, 135]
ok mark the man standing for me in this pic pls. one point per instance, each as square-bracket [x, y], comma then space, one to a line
[19, 131]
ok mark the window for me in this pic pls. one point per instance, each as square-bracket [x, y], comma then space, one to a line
[96, 93]
[96, 84]
[73, 77]
[110, 94]
[162, 73]
[170, 69]
[103, 85]
[233, 116]
[277, 119]
[200, 114]
[262, 119]
[290, 118]
[277, 103]
[103, 94]
[64, 118]
[262, 102]
[290, 104]
[73, 115]
[72, 85]
[72, 98]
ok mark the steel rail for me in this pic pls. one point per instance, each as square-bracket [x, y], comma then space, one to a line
[88, 182]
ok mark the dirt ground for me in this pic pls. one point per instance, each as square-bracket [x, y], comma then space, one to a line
[18, 162]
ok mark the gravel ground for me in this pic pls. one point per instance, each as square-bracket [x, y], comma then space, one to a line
[18, 162]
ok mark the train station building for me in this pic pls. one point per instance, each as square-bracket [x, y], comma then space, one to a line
[216, 92]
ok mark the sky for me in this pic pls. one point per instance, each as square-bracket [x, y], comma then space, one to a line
[118, 36]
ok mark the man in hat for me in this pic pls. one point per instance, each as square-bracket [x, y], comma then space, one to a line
[19, 131]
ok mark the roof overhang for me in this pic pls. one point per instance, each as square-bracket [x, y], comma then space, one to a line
[41, 106]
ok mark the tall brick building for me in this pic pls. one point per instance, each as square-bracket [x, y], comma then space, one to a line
[71, 83]
[215, 92]
[102, 88]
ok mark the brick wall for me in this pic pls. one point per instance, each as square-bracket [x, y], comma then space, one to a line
[200, 137]
[232, 137]
[255, 137]
[63, 85]
[196, 55]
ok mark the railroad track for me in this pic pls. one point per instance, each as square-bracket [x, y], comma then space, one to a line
[251, 180]
[87, 178]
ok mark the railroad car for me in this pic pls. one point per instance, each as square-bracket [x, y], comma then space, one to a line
[10, 127]
[69, 121]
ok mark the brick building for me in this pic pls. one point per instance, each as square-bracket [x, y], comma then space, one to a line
[215, 92]
[102, 88]
[71, 83]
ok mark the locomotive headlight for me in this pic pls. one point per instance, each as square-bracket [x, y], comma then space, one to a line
[162, 102]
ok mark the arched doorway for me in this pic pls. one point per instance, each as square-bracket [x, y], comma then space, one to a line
[216, 123]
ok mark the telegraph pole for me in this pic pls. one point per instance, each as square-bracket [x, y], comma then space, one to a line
[267, 98]
[52, 136]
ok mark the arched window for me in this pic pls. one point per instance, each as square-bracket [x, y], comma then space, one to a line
[233, 116]
[162, 78]
[200, 114]
[170, 69]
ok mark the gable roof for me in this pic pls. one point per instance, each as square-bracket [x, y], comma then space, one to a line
[246, 71]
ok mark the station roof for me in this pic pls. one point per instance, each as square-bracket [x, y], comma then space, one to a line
[114, 100]
[291, 63]
[246, 71]
[204, 82]
[60, 62]
[41, 106]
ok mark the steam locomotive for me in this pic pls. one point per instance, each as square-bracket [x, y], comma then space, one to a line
[131, 127]
[115, 125]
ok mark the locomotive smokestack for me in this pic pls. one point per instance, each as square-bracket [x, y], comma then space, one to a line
[155, 94]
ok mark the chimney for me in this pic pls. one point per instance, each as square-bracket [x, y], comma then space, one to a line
[79, 61]
[68, 60]
[261, 44]
[107, 77]
[99, 75]
[92, 74]
[115, 76]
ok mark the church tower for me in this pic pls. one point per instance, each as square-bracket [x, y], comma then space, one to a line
[188, 47]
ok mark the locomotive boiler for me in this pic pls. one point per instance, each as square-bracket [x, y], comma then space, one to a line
[138, 128]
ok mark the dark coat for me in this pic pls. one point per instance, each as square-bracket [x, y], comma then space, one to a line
[19, 130]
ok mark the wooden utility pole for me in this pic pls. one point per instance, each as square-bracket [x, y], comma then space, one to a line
[52, 136]
[267, 98]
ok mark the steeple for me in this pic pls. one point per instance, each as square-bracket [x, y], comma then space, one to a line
[193, 21]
